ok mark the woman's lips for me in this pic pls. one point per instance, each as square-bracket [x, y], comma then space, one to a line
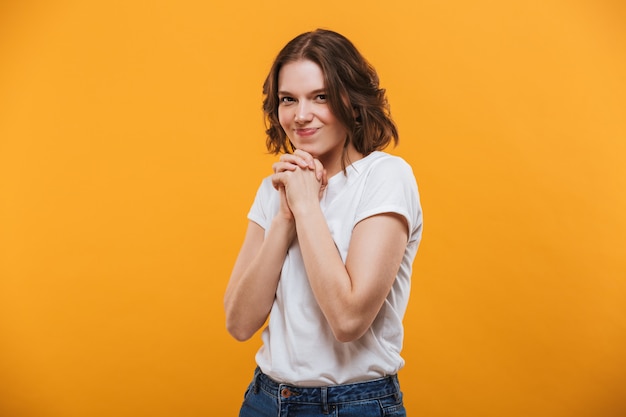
[306, 132]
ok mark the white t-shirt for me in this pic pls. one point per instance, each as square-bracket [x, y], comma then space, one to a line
[298, 344]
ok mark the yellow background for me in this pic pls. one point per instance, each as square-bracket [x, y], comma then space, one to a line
[131, 145]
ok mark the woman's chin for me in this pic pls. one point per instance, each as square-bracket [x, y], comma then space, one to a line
[310, 150]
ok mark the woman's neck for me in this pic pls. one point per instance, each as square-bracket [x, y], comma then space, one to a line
[333, 165]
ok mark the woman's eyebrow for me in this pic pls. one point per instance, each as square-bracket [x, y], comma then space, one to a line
[287, 93]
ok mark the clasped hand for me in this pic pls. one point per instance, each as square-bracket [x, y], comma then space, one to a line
[300, 179]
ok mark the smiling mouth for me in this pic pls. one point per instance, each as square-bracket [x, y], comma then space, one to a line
[306, 132]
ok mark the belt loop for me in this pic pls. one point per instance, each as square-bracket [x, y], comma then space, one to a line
[324, 392]
[396, 383]
[257, 375]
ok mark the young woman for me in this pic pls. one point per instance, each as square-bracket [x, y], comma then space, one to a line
[330, 243]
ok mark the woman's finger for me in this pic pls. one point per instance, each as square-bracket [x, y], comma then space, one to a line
[306, 157]
[279, 179]
[319, 170]
[296, 160]
[283, 166]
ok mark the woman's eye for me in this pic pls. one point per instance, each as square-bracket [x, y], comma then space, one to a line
[286, 99]
[321, 97]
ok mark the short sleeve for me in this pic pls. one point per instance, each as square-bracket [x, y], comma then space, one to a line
[391, 188]
[261, 212]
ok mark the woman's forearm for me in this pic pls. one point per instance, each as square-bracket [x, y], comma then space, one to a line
[351, 294]
[328, 277]
[252, 287]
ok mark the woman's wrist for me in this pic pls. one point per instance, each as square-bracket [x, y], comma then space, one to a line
[285, 225]
[304, 210]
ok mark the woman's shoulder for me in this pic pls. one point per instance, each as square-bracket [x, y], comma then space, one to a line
[265, 190]
[380, 161]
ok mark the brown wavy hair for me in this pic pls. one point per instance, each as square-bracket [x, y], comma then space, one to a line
[352, 89]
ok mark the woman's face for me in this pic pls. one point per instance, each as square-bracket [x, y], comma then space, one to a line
[304, 112]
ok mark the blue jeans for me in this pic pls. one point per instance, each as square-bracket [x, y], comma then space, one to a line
[268, 398]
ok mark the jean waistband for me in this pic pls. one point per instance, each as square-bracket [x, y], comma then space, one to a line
[332, 394]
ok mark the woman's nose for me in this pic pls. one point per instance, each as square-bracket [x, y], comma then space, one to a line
[303, 112]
